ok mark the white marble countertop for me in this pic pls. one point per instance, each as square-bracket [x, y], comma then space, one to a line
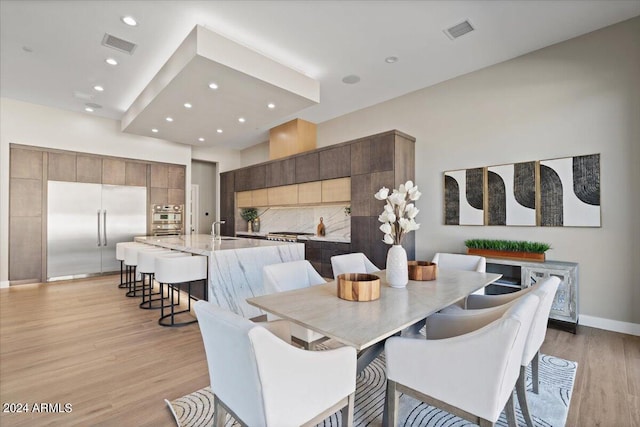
[204, 244]
[337, 239]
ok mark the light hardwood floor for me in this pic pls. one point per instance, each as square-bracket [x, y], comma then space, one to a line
[83, 342]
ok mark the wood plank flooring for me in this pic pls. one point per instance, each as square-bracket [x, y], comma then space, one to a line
[83, 342]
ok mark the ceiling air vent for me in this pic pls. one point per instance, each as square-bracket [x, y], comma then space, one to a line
[459, 30]
[118, 44]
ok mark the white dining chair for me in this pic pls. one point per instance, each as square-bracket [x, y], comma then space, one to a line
[471, 375]
[352, 263]
[287, 276]
[260, 380]
[448, 261]
[545, 291]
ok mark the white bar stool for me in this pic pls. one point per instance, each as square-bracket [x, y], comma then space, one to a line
[146, 268]
[131, 263]
[172, 271]
[120, 257]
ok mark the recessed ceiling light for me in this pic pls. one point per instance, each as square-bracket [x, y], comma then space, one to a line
[88, 109]
[27, 49]
[241, 119]
[391, 59]
[271, 105]
[187, 105]
[98, 88]
[213, 86]
[201, 139]
[111, 61]
[129, 20]
[169, 119]
[154, 130]
[351, 79]
[219, 130]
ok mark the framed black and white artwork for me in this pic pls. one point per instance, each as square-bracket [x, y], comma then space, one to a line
[511, 194]
[570, 192]
[464, 197]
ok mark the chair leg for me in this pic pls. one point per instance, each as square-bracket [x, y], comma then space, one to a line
[510, 409]
[220, 414]
[485, 423]
[535, 365]
[390, 415]
[521, 392]
[347, 412]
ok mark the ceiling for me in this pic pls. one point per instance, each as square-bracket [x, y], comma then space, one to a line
[51, 52]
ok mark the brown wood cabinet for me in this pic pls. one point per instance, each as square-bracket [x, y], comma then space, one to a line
[30, 170]
[335, 162]
[319, 254]
[281, 172]
[365, 165]
[89, 169]
[26, 213]
[308, 167]
[227, 203]
[61, 167]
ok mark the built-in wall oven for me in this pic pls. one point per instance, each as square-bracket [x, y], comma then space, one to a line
[167, 220]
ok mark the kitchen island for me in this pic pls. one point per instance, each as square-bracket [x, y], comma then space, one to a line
[235, 265]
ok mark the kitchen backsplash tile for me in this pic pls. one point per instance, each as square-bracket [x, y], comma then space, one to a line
[305, 220]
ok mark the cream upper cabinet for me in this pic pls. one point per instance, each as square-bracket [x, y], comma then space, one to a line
[310, 192]
[259, 198]
[283, 196]
[336, 190]
[243, 199]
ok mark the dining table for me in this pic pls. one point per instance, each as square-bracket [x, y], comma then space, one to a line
[365, 325]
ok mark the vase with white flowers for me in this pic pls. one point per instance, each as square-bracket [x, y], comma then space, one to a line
[398, 219]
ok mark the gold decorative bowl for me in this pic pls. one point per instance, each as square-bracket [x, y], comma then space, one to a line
[422, 270]
[358, 287]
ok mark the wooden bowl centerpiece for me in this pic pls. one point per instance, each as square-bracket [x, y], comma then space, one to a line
[358, 287]
[422, 270]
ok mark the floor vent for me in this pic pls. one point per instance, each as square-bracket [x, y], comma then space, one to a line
[459, 30]
[118, 44]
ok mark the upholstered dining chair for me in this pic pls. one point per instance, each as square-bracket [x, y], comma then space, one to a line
[287, 276]
[545, 291]
[471, 375]
[260, 380]
[352, 263]
[447, 261]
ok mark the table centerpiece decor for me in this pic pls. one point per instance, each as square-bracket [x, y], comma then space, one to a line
[398, 219]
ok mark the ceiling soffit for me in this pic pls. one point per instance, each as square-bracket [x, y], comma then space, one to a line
[247, 81]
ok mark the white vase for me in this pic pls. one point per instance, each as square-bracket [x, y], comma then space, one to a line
[397, 270]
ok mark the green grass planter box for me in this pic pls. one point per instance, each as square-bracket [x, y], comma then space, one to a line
[508, 249]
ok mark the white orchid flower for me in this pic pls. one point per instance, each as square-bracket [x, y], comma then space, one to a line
[404, 224]
[396, 198]
[402, 189]
[413, 225]
[415, 196]
[388, 208]
[411, 211]
[388, 239]
[409, 186]
[387, 217]
[382, 193]
[386, 228]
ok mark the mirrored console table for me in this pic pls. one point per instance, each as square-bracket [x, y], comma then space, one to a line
[521, 274]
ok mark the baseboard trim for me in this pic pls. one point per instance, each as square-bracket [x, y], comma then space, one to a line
[610, 325]
[4, 284]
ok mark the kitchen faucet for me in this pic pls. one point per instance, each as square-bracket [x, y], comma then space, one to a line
[213, 227]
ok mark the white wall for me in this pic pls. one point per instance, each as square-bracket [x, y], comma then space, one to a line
[255, 154]
[36, 125]
[581, 96]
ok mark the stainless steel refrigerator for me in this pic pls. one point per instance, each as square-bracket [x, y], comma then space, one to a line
[84, 223]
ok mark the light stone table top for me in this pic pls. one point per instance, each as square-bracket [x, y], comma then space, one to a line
[363, 324]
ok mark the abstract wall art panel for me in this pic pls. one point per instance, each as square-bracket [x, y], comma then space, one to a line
[570, 192]
[511, 194]
[464, 197]
[561, 192]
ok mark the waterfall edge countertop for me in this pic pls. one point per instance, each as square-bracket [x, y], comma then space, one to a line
[235, 265]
